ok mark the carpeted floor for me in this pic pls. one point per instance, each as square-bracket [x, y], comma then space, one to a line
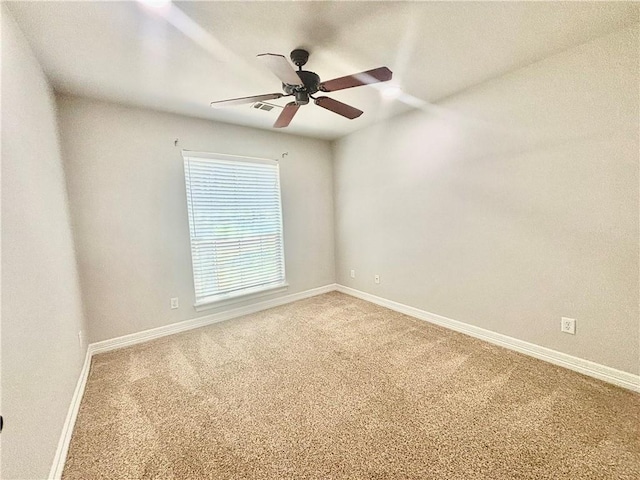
[335, 387]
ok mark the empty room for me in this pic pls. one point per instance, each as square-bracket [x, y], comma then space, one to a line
[320, 240]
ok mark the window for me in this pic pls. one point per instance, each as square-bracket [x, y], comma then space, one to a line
[235, 224]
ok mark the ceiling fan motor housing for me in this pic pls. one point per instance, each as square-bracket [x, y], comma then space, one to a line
[310, 82]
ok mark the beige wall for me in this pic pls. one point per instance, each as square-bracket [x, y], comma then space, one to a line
[127, 192]
[509, 205]
[41, 307]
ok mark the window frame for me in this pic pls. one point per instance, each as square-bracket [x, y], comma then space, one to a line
[239, 296]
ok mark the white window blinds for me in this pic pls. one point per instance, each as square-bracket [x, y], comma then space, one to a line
[235, 224]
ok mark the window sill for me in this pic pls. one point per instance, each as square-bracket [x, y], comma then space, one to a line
[231, 299]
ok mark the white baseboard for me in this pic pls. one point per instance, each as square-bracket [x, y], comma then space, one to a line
[67, 428]
[146, 335]
[586, 367]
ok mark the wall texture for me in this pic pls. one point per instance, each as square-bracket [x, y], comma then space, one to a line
[41, 302]
[509, 205]
[127, 193]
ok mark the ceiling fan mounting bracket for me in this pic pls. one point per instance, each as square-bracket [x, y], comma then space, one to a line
[299, 57]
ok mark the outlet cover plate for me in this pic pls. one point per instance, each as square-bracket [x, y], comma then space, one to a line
[568, 325]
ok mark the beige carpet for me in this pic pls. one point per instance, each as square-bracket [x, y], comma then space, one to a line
[335, 387]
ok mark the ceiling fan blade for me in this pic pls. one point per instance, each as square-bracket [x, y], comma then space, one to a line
[287, 114]
[281, 68]
[239, 101]
[382, 74]
[338, 107]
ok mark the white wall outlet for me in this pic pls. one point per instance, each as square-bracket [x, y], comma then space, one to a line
[376, 278]
[568, 325]
[353, 274]
[80, 337]
[174, 303]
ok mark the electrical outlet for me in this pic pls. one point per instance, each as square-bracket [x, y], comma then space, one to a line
[174, 303]
[353, 274]
[568, 325]
[376, 278]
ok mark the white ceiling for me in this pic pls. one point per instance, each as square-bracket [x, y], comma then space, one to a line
[182, 57]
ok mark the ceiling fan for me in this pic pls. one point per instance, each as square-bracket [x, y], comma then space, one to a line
[303, 84]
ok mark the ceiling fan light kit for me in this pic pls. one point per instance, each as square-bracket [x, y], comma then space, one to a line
[303, 84]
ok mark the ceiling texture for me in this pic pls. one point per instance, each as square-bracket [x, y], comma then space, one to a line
[180, 56]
